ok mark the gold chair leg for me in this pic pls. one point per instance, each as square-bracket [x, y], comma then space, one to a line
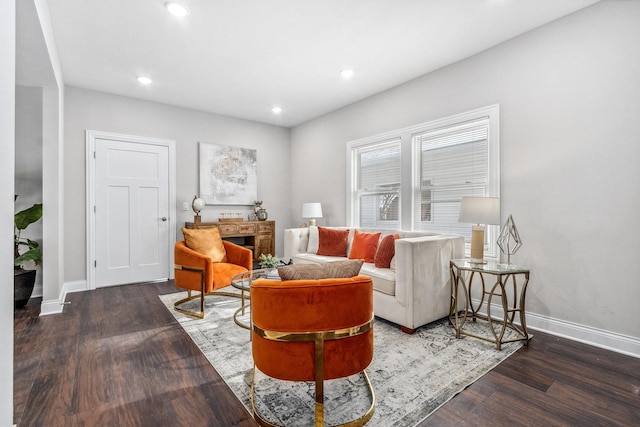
[318, 338]
[319, 378]
[199, 315]
[367, 416]
[319, 407]
[201, 295]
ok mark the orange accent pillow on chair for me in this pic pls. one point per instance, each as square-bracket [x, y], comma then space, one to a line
[332, 242]
[206, 241]
[364, 246]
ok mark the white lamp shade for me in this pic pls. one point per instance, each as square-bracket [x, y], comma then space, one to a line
[311, 210]
[480, 210]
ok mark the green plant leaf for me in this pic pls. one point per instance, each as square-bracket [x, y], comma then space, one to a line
[28, 216]
[268, 261]
[34, 255]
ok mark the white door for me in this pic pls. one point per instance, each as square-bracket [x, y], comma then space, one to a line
[132, 232]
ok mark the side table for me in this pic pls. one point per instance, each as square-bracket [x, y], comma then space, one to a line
[463, 273]
[243, 282]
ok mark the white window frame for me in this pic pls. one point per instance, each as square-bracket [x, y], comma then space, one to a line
[410, 175]
[353, 193]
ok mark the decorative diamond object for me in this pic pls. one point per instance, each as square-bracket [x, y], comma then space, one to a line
[509, 240]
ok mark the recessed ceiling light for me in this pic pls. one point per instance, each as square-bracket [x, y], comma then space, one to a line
[346, 74]
[276, 110]
[145, 80]
[177, 9]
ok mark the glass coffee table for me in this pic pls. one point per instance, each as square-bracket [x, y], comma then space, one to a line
[243, 282]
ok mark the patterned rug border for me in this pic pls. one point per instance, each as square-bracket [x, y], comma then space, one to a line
[402, 373]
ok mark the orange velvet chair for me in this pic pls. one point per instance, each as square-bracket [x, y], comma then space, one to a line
[197, 272]
[313, 330]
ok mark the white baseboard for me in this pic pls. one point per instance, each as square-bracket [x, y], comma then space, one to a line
[37, 290]
[597, 337]
[55, 306]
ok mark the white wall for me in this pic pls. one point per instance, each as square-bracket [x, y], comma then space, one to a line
[86, 109]
[7, 144]
[28, 162]
[569, 95]
[37, 66]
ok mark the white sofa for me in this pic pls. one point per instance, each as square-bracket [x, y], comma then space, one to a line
[414, 291]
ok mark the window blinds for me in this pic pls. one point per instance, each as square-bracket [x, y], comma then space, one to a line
[378, 185]
[454, 162]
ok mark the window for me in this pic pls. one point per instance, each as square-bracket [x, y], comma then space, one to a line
[452, 163]
[377, 185]
[415, 178]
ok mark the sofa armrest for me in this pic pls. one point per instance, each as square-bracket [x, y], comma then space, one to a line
[295, 242]
[422, 271]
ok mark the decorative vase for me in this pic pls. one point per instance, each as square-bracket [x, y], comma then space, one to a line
[23, 282]
[262, 214]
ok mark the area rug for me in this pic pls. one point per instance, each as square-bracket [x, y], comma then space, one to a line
[412, 375]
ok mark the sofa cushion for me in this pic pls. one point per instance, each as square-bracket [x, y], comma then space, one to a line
[312, 246]
[384, 280]
[332, 242]
[305, 258]
[364, 246]
[386, 250]
[329, 270]
[206, 241]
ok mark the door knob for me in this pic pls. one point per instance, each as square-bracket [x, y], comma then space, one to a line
[164, 218]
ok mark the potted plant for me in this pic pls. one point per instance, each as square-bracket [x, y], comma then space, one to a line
[268, 261]
[24, 280]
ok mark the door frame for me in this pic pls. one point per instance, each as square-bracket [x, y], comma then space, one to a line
[90, 139]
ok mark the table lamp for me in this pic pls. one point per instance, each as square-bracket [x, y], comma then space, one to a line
[480, 211]
[312, 211]
[197, 205]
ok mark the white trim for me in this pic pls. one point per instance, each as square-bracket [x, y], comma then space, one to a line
[613, 341]
[573, 331]
[410, 174]
[91, 136]
[56, 306]
[37, 291]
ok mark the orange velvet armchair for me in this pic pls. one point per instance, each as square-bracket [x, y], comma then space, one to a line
[313, 330]
[197, 272]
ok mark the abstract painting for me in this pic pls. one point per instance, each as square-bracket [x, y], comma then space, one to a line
[228, 175]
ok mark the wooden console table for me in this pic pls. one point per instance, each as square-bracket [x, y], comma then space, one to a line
[259, 236]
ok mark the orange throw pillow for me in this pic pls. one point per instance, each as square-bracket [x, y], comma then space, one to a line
[206, 241]
[386, 251]
[332, 242]
[364, 246]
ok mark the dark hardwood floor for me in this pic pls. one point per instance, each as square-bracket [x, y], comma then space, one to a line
[117, 357]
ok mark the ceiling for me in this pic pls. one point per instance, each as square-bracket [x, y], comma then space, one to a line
[241, 57]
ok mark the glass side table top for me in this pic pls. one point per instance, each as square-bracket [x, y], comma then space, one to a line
[490, 266]
[243, 281]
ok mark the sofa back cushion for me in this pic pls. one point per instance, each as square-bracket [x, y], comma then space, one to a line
[386, 251]
[364, 246]
[332, 242]
[314, 240]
